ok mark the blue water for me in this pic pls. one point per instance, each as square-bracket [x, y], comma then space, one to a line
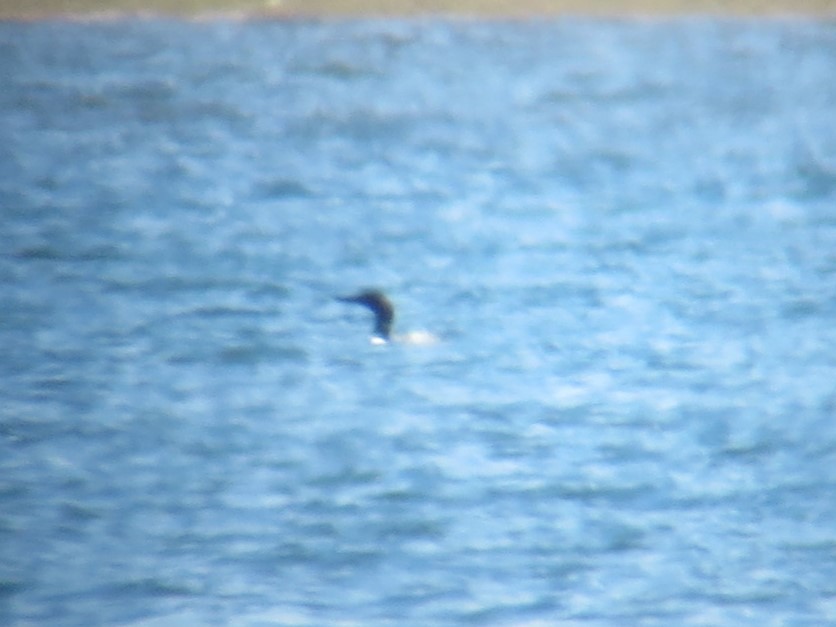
[624, 233]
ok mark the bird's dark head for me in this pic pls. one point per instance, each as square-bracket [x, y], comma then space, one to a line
[376, 301]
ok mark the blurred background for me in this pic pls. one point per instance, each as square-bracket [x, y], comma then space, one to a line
[530, 8]
[622, 231]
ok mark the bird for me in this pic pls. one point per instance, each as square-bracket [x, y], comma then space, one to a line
[384, 318]
[381, 307]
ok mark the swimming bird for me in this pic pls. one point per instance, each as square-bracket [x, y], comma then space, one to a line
[381, 307]
[384, 318]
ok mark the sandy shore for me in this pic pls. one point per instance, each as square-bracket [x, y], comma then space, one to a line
[35, 9]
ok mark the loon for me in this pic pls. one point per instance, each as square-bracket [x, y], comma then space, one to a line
[384, 317]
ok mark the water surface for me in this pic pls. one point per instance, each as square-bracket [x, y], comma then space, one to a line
[623, 231]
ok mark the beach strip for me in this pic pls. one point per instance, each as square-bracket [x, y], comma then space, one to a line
[341, 9]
